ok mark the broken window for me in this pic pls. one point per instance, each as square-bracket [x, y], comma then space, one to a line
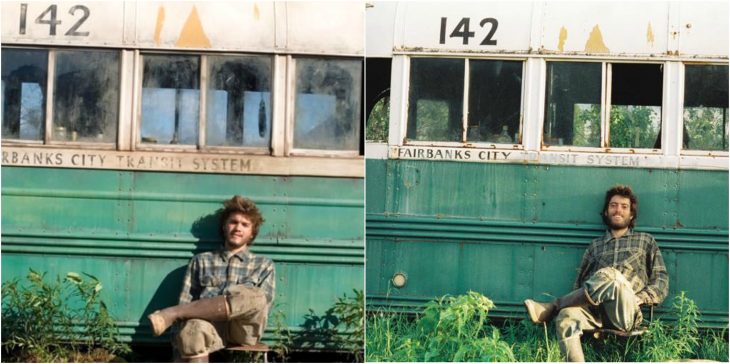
[170, 99]
[436, 100]
[327, 105]
[377, 89]
[705, 107]
[24, 77]
[86, 96]
[574, 113]
[238, 104]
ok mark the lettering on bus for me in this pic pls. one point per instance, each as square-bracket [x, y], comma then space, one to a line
[127, 160]
[591, 159]
[452, 154]
[49, 17]
[461, 30]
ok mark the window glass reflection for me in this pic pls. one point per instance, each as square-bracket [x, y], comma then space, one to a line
[328, 103]
[86, 97]
[170, 99]
[238, 106]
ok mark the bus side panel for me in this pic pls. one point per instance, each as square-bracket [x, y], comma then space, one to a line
[513, 231]
[136, 232]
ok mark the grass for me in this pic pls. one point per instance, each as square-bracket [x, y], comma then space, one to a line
[457, 329]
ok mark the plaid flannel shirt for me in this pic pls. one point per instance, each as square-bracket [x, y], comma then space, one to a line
[210, 274]
[636, 255]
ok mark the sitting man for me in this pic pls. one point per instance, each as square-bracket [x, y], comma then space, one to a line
[226, 293]
[620, 271]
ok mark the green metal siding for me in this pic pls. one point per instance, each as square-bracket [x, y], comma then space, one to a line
[513, 231]
[136, 232]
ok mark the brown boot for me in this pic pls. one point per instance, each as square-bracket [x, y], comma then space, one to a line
[211, 309]
[542, 312]
[572, 350]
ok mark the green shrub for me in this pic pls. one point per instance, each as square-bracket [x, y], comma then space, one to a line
[57, 321]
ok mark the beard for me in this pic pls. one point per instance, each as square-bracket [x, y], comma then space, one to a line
[618, 225]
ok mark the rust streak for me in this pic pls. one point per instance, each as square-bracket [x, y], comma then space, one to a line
[649, 34]
[160, 22]
[192, 34]
[595, 44]
[562, 38]
[256, 13]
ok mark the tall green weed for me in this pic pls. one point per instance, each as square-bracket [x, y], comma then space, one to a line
[457, 329]
[60, 320]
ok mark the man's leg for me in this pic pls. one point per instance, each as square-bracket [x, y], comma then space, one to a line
[570, 324]
[609, 288]
[249, 312]
[210, 309]
[543, 311]
[196, 340]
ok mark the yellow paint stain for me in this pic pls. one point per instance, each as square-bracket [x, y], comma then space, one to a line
[595, 44]
[563, 37]
[256, 13]
[158, 25]
[649, 34]
[192, 34]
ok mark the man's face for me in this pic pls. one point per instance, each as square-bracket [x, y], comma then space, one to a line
[619, 212]
[237, 231]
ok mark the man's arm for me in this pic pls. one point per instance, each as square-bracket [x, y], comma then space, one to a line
[268, 282]
[583, 269]
[658, 286]
[191, 283]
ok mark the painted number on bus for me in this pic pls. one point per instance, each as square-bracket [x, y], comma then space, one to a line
[461, 30]
[79, 12]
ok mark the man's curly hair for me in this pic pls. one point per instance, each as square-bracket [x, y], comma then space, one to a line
[247, 208]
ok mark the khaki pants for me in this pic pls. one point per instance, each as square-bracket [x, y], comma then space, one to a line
[249, 311]
[616, 306]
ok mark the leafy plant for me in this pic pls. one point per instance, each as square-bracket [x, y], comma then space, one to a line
[56, 321]
[350, 312]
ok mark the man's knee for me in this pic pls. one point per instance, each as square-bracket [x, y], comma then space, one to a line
[567, 322]
[247, 301]
[605, 285]
[197, 337]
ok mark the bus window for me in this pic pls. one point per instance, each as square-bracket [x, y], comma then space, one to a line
[636, 105]
[238, 103]
[495, 89]
[435, 100]
[170, 99]
[24, 75]
[86, 96]
[573, 109]
[706, 107]
[327, 105]
[573, 105]
[377, 98]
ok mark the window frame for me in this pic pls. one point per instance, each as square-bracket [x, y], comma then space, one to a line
[291, 80]
[50, 89]
[606, 105]
[203, 76]
[680, 111]
[519, 145]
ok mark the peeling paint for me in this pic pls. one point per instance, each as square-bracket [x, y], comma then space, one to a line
[649, 34]
[192, 34]
[160, 22]
[562, 38]
[256, 13]
[595, 44]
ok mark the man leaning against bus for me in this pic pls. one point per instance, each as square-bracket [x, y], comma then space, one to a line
[620, 271]
[226, 294]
